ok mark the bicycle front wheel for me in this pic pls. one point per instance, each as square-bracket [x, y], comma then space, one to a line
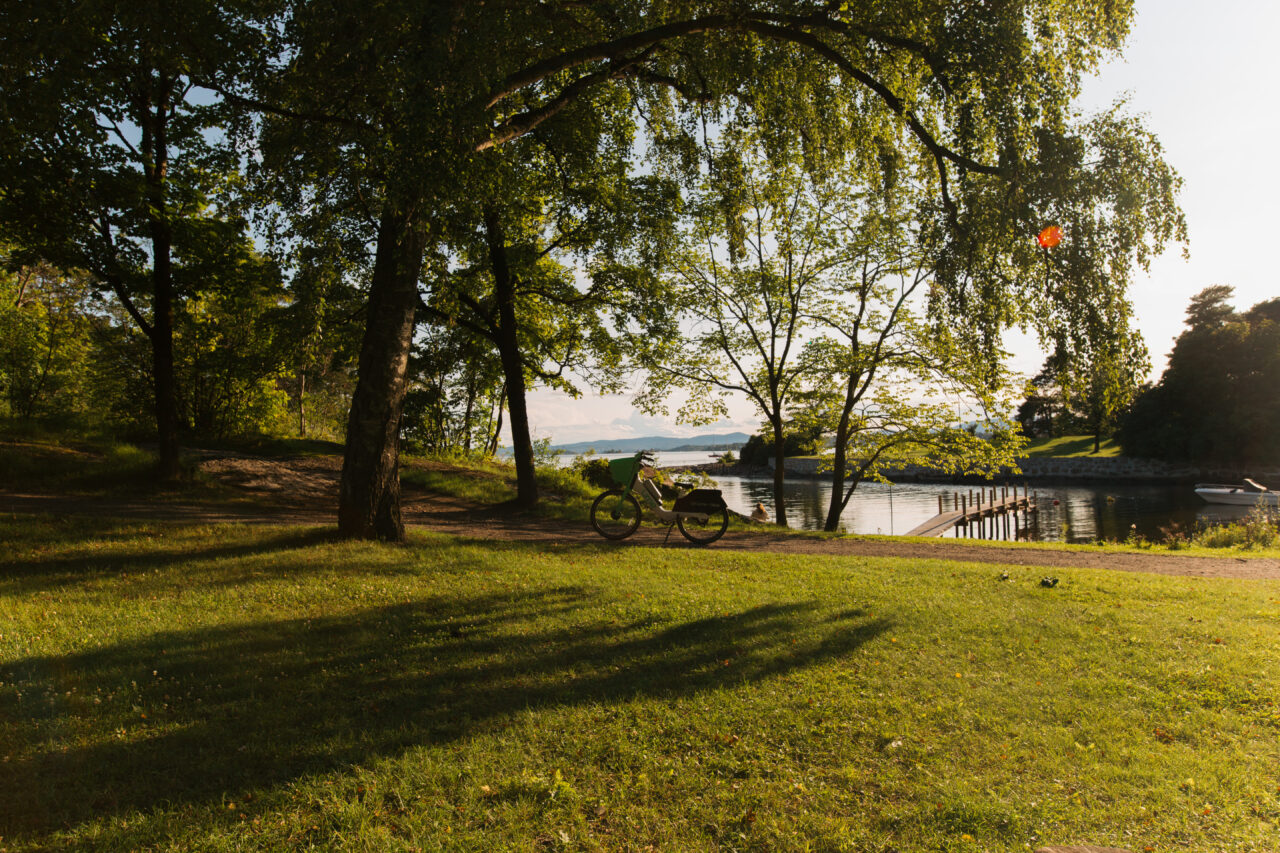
[615, 514]
[704, 532]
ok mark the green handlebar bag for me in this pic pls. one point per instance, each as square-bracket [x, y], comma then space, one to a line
[623, 470]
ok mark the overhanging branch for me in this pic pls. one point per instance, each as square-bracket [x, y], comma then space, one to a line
[614, 52]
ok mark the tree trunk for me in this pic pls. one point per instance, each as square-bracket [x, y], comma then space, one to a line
[839, 499]
[466, 415]
[155, 147]
[512, 363]
[491, 449]
[779, 473]
[302, 397]
[369, 496]
[836, 507]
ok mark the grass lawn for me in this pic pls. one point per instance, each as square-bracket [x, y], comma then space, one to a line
[93, 466]
[73, 466]
[1071, 445]
[239, 688]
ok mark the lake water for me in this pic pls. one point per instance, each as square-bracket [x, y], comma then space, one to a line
[1068, 513]
[665, 458]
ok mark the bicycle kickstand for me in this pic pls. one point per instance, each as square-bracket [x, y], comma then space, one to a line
[670, 527]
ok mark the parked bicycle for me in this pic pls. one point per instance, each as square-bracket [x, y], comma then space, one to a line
[701, 514]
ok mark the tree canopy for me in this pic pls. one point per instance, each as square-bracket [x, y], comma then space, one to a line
[387, 129]
[1216, 402]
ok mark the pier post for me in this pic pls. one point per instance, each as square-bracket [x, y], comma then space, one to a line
[939, 504]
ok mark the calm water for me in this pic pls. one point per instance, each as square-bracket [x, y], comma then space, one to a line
[1080, 514]
[665, 458]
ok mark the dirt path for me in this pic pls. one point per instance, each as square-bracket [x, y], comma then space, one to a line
[304, 491]
[479, 523]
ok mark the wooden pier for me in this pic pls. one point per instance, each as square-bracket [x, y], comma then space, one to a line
[976, 506]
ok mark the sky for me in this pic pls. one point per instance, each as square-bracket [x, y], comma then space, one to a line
[1202, 76]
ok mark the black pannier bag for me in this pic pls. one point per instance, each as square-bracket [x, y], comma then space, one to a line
[700, 500]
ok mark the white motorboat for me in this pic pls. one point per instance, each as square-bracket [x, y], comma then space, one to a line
[1247, 493]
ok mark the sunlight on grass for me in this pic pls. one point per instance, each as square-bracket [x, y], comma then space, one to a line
[1072, 446]
[267, 688]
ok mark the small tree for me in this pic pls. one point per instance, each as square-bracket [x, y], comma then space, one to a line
[895, 384]
[455, 386]
[46, 342]
[108, 160]
[756, 246]
[513, 277]
[1067, 396]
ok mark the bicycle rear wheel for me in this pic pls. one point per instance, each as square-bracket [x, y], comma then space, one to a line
[704, 532]
[615, 514]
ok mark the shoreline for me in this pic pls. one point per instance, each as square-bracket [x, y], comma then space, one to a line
[1032, 469]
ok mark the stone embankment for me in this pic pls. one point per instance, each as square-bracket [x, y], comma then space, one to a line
[1109, 469]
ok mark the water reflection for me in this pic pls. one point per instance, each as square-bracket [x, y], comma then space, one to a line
[1067, 513]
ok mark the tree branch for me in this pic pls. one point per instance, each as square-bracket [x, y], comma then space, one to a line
[276, 109]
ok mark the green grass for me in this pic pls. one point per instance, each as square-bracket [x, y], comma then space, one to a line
[88, 466]
[98, 467]
[1071, 446]
[239, 688]
[1192, 549]
[561, 493]
[265, 445]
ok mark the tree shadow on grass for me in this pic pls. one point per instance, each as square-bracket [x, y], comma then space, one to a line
[27, 574]
[239, 708]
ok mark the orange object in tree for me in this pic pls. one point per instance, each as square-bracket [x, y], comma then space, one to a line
[1049, 237]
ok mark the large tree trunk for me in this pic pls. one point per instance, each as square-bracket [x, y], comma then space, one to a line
[369, 496]
[155, 146]
[779, 473]
[512, 363]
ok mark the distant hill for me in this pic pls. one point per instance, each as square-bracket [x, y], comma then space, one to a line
[720, 441]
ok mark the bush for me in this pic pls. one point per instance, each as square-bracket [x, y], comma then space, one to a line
[563, 484]
[1259, 529]
[592, 470]
[544, 455]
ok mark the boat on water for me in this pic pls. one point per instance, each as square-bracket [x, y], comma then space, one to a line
[1247, 493]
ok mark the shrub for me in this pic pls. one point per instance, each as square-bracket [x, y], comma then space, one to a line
[592, 470]
[544, 455]
[1259, 529]
[1175, 537]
